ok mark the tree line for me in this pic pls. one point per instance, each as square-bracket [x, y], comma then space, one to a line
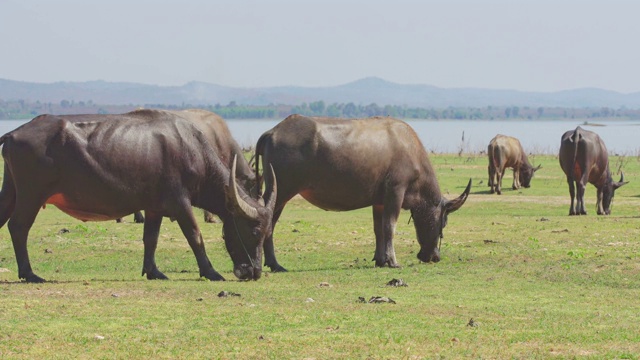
[22, 109]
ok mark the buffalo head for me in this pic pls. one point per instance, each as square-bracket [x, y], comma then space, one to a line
[430, 220]
[608, 191]
[526, 174]
[245, 232]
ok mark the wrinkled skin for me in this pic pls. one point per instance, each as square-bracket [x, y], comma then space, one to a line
[217, 132]
[102, 167]
[584, 159]
[219, 136]
[342, 165]
[506, 152]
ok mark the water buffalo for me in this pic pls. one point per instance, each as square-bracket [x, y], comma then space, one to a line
[342, 165]
[506, 152]
[584, 158]
[217, 132]
[101, 167]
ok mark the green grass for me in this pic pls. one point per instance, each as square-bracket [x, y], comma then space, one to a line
[536, 282]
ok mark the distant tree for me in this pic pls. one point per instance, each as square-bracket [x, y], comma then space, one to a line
[390, 111]
[373, 110]
[317, 107]
[301, 109]
[65, 103]
[350, 110]
[334, 110]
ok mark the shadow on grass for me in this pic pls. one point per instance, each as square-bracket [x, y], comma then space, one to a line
[481, 192]
[103, 281]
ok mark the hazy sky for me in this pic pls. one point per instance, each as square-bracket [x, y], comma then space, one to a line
[539, 45]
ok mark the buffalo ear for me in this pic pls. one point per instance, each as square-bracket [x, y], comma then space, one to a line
[621, 182]
[455, 204]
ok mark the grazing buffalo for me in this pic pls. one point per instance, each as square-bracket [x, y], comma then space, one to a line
[584, 158]
[506, 152]
[102, 167]
[217, 132]
[342, 165]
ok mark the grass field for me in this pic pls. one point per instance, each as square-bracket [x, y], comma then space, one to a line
[519, 278]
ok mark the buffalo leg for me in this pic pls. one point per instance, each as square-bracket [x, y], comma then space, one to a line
[380, 256]
[150, 240]
[600, 208]
[190, 229]
[572, 193]
[499, 175]
[269, 249]
[210, 217]
[7, 197]
[580, 199]
[516, 179]
[385, 219]
[19, 226]
[491, 175]
[138, 218]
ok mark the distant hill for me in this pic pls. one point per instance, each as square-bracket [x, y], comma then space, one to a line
[362, 92]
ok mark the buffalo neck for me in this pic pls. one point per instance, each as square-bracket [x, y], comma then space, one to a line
[212, 191]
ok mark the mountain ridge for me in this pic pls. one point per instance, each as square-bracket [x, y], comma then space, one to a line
[362, 91]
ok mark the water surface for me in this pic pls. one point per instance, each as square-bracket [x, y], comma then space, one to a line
[449, 136]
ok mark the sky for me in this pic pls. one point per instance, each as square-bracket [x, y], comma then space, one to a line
[528, 45]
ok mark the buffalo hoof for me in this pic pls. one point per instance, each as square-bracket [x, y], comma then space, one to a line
[277, 268]
[386, 263]
[156, 275]
[212, 219]
[212, 275]
[34, 279]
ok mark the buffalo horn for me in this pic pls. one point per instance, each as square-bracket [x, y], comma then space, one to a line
[537, 168]
[455, 204]
[246, 209]
[621, 182]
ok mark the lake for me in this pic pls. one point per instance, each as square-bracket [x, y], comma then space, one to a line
[446, 136]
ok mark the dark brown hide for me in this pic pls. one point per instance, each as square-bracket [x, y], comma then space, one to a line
[101, 167]
[506, 152]
[217, 132]
[342, 165]
[584, 158]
